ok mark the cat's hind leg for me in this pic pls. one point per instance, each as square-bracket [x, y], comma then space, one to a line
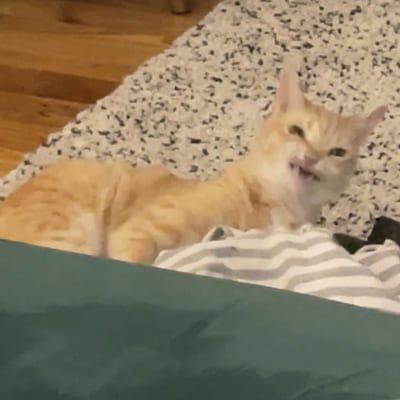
[81, 234]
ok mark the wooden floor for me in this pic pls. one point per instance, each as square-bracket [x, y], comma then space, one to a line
[58, 56]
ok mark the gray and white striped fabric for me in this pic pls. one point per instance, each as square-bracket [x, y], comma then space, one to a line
[306, 261]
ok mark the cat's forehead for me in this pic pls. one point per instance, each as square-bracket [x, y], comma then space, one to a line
[317, 121]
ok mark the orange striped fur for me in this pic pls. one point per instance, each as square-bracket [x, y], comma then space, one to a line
[131, 214]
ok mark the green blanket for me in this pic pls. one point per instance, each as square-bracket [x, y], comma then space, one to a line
[76, 327]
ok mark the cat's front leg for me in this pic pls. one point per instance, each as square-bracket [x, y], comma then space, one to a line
[132, 246]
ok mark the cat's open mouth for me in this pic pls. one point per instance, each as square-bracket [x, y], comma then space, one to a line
[303, 172]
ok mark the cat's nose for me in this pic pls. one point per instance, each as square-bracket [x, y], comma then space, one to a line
[310, 160]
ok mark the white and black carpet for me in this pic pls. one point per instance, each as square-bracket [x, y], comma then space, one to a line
[195, 107]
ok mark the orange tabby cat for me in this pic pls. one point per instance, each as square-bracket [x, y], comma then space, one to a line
[302, 158]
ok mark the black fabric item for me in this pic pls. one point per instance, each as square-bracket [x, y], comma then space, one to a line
[350, 243]
[383, 229]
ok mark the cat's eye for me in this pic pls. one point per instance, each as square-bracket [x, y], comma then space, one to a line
[337, 152]
[296, 130]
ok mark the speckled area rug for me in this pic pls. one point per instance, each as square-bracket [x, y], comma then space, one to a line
[195, 107]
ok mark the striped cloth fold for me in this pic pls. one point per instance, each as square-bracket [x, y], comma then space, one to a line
[307, 261]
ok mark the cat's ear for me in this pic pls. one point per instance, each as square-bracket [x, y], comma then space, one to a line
[375, 117]
[289, 94]
[368, 124]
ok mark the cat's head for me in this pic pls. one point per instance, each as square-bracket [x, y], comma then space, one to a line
[310, 151]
